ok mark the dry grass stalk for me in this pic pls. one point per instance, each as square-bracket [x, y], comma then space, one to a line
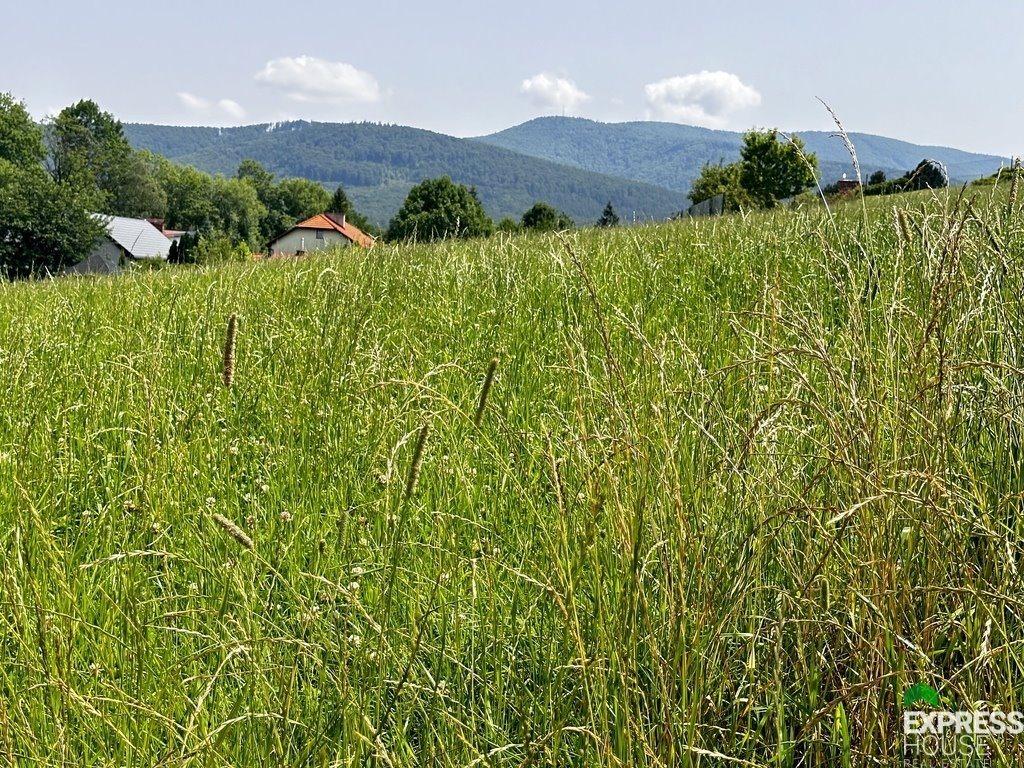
[229, 350]
[232, 529]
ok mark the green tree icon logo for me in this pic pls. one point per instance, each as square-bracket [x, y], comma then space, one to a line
[918, 693]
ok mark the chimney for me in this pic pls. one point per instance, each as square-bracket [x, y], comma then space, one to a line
[337, 218]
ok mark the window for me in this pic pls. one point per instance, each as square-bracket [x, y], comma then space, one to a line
[319, 234]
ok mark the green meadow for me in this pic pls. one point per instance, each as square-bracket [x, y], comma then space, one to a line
[728, 489]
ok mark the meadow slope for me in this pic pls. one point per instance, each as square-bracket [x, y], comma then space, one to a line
[734, 485]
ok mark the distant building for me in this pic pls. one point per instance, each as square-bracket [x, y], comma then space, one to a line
[126, 240]
[318, 233]
[848, 186]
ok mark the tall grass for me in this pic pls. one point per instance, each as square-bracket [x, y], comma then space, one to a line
[684, 495]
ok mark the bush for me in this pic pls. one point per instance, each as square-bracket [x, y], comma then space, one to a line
[219, 249]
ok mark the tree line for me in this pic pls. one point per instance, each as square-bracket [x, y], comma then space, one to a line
[55, 174]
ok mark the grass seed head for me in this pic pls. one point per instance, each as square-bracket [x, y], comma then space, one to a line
[232, 530]
[485, 390]
[1014, 186]
[417, 461]
[229, 350]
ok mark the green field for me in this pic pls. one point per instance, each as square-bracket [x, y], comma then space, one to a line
[733, 487]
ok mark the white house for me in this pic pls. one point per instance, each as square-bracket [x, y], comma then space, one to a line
[318, 233]
[126, 240]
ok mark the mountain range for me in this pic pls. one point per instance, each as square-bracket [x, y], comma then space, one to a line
[644, 168]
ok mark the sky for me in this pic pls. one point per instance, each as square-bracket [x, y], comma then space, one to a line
[932, 72]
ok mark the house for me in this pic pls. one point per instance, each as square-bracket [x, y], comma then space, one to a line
[320, 232]
[847, 186]
[126, 240]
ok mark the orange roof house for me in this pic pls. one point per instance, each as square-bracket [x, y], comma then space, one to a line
[317, 233]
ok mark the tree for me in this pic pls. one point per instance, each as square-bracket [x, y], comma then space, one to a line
[261, 179]
[238, 210]
[772, 170]
[89, 151]
[189, 197]
[609, 218]
[440, 208]
[927, 175]
[21, 141]
[722, 180]
[276, 219]
[183, 249]
[544, 218]
[138, 192]
[44, 225]
[878, 177]
[302, 198]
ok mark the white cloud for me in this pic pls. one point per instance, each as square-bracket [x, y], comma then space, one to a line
[552, 92]
[221, 109]
[306, 78]
[705, 98]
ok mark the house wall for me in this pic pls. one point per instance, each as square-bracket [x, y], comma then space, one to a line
[105, 259]
[292, 242]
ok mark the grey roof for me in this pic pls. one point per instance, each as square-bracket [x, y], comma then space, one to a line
[137, 236]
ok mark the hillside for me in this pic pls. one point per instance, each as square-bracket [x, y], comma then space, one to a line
[378, 164]
[672, 155]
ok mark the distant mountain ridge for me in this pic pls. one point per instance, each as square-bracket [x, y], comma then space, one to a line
[671, 155]
[645, 169]
[378, 164]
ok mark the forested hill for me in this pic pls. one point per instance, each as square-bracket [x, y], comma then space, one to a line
[378, 164]
[671, 155]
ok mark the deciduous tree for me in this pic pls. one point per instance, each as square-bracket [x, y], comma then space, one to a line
[302, 198]
[21, 141]
[44, 225]
[722, 180]
[927, 175]
[545, 218]
[772, 170]
[439, 208]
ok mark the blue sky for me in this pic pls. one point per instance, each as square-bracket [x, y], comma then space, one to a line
[932, 72]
